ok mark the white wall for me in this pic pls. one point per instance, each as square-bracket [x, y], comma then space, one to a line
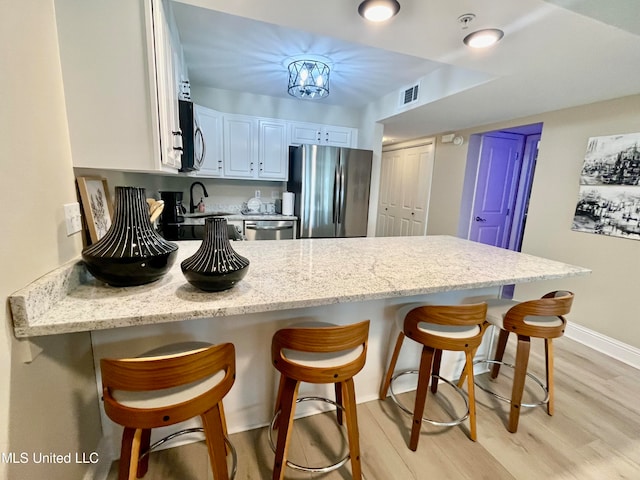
[49, 405]
[605, 300]
[272, 107]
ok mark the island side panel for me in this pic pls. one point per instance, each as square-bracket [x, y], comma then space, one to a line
[249, 404]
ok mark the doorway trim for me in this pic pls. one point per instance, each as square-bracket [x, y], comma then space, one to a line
[525, 179]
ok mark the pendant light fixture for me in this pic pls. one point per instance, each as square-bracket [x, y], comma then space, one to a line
[378, 10]
[308, 79]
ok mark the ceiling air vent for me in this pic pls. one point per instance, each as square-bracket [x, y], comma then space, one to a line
[409, 95]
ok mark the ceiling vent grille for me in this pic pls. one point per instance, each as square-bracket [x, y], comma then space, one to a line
[409, 95]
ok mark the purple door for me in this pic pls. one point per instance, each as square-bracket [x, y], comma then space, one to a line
[496, 187]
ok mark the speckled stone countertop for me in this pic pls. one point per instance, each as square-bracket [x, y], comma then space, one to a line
[283, 275]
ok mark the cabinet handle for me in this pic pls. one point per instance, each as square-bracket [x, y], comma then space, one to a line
[261, 169]
[176, 133]
[219, 164]
[178, 148]
[251, 166]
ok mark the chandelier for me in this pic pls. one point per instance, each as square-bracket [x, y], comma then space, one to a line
[308, 79]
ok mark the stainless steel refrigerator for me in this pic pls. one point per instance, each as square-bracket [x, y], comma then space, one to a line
[331, 187]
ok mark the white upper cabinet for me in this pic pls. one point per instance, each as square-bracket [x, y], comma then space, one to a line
[311, 133]
[210, 122]
[273, 150]
[240, 146]
[254, 148]
[168, 57]
[118, 89]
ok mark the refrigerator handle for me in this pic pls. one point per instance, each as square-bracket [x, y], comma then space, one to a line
[341, 197]
[336, 195]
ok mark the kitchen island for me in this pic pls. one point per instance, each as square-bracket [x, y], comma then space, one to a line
[337, 280]
[283, 275]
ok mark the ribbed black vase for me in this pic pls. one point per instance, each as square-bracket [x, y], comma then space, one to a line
[215, 266]
[131, 252]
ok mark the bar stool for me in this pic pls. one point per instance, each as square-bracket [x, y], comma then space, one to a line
[318, 353]
[541, 318]
[438, 328]
[166, 386]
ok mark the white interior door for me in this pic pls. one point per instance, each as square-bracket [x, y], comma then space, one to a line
[496, 187]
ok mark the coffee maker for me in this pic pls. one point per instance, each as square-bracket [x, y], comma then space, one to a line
[172, 215]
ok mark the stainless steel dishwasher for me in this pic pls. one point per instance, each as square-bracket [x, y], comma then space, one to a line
[268, 229]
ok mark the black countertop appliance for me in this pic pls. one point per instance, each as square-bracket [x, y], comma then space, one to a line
[172, 215]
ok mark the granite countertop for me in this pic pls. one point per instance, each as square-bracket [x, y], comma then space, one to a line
[283, 275]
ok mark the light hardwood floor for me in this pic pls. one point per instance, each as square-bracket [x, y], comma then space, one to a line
[594, 434]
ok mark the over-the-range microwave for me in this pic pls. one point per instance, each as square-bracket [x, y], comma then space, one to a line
[193, 145]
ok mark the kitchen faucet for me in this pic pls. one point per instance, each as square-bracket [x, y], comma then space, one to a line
[192, 207]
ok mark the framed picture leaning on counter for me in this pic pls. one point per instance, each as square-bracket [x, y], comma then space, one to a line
[96, 205]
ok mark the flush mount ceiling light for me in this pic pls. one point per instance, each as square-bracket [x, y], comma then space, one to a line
[308, 79]
[378, 10]
[483, 38]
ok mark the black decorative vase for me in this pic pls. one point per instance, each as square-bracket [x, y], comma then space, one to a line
[215, 266]
[131, 252]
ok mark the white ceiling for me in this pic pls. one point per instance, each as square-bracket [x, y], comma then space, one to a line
[555, 54]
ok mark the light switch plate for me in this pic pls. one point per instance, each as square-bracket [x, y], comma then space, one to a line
[72, 218]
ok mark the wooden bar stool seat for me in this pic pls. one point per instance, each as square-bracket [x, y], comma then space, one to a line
[540, 318]
[166, 386]
[438, 328]
[318, 353]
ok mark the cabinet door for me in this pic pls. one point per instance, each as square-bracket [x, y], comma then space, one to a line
[305, 133]
[240, 146]
[337, 136]
[167, 59]
[273, 153]
[210, 122]
[311, 133]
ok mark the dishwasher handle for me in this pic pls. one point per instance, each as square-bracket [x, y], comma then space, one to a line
[251, 226]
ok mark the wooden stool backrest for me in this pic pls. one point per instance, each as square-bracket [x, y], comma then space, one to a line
[320, 340]
[460, 315]
[552, 304]
[159, 373]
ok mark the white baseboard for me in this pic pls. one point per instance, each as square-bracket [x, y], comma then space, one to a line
[100, 469]
[607, 345]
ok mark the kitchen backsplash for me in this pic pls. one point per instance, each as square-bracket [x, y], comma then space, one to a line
[224, 195]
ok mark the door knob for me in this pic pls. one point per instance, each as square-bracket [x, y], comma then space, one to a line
[480, 219]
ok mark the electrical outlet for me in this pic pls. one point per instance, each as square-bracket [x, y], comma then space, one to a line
[72, 218]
